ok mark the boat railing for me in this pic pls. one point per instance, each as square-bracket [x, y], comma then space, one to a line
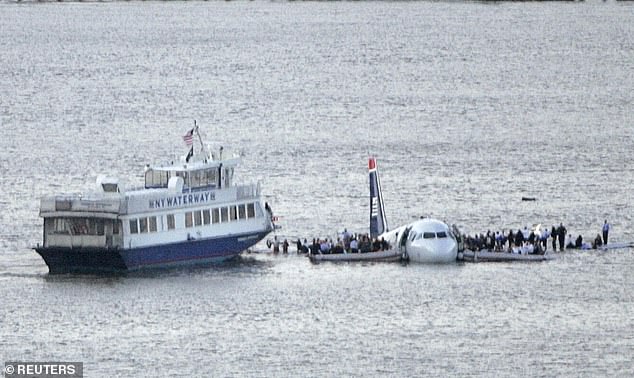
[80, 203]
[70, 241]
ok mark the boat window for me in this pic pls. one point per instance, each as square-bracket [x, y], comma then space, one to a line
[99, 223]
[233, 213]
[61, 226]
[251, 210]
[156, 179]
[242, 211]
[224, 214]
[86, 226]
[441, 234]
[134, 227]
[206, 217]
[194, 176]
[228, 175]
[429, 235]
[188, 219]
[142, 225]
[149, 178]
[110, 188]
[215, 215]
[171, 223]
[152, 224]
[209, 177]
[259, 213]
[184, 176]
[198, 220]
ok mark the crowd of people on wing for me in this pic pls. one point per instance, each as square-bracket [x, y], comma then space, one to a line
[535, 241]
[346, 243]
[523, 241]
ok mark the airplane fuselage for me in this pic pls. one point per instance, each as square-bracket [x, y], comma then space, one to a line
[426, 240]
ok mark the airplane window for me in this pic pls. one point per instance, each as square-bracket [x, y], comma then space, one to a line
[418, 236]
[429, 235]
[412, 236]
[442, 234]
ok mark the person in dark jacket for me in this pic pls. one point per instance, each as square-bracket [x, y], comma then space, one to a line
[519, 238]
[561, 235]
[579, 242]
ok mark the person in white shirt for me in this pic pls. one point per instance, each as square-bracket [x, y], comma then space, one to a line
[526, 233]
[544, 238]
[354, 245]
[276, 245]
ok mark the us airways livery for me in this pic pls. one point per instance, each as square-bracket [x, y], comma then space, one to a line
[425, 240]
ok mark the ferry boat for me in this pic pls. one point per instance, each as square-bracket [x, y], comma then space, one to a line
[186, 213]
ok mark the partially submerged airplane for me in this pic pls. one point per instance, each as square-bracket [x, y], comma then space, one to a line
[425, 240]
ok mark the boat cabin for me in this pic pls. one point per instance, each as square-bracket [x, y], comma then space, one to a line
[202, 175]
[78, 221]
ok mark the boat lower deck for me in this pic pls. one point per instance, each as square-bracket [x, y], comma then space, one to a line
[111, 260]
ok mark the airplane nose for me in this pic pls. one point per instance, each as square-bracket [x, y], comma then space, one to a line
[447, 248]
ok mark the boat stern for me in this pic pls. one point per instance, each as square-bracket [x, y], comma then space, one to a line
[62, 260]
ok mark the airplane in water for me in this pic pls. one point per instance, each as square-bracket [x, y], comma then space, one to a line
[425, 240]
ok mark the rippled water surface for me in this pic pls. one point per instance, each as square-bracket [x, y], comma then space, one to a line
[467, 106]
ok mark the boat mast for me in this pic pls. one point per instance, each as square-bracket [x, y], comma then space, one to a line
[200, 139]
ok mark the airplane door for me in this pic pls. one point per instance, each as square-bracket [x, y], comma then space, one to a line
[402, 243]
[458, 236]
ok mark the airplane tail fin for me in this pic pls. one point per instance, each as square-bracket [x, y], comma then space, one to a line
[378, 223]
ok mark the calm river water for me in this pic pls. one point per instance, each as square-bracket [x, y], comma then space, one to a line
[467, 106]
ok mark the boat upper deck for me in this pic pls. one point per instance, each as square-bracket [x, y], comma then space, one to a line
[204, 173]
[110, 205]
[173, 186]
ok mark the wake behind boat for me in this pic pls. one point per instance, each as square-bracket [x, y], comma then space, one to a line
[186, 213]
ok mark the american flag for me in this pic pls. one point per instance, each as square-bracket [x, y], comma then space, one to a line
[189, 138]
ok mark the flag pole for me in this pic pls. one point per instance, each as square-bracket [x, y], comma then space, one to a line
[200, 139]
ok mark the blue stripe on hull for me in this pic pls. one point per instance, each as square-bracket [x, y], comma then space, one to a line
[192, 252]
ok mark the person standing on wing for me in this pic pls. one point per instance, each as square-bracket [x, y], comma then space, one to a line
[561, 236]
[606, 229]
